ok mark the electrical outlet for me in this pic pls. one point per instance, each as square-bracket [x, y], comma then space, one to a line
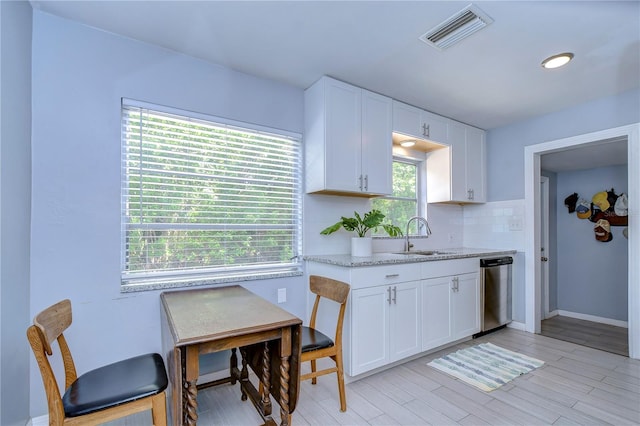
[515, 223]
[282, 295]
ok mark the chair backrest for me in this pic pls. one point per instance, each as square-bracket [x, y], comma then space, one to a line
[48, 326]
[333, 290]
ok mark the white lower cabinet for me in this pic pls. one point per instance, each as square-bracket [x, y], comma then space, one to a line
[436, 312]
[369, 329]
[465, 306]
[385, 325]
[450, 309]
[400, 310]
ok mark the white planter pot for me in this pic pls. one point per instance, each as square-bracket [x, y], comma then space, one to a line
[361, 246]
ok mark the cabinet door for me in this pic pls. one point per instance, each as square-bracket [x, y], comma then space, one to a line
[405, 331]
[476, 164]
[465, 319]
[377, 155]
[342, 136]
[369, 329]
[434, 127]
[407, 120]
[418, 123]
[457, 173]
[436, 312]
[457, 141]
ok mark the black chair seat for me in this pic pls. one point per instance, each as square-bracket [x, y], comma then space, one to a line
[115, 384]
[312, 340]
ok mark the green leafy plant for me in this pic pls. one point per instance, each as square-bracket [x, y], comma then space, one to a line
[362, 224]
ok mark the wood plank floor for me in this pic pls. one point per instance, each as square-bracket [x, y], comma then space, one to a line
[587, 333]
[576, 386]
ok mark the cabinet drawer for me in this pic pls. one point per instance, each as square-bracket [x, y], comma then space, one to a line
[387, 274]
[441, 268]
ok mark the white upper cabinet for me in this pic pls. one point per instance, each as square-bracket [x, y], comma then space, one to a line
[377, 148]
[415, 122]
[476, 163]
[348, 148]
[457, 174]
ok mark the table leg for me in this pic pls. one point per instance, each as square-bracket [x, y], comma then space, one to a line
[265, 384]
[191, 390]
[233, 364]
[285, 353]
[244, 374]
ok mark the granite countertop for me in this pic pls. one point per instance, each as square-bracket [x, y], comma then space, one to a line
[391, 258]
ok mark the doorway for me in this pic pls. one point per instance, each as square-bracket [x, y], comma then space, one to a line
[533, 281]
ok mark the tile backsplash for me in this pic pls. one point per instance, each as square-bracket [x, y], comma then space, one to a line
[498, 224]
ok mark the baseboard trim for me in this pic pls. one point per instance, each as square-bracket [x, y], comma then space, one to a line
[39, 421]
[593, 318]
[516, 325]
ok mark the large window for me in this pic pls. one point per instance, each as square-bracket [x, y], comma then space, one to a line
[405, 201]
[204, 199]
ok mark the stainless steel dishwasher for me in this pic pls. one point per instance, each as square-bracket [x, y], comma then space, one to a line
[495, 292]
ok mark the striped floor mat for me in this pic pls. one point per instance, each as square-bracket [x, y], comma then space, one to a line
[485, 366]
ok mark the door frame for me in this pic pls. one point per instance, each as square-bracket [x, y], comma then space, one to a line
[532, 155]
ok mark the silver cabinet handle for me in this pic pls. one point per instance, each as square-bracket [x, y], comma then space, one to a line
[389, 295]
[425, 129]
[392, 275]
[454, 284]
[366, 182]
[360, 179]
[394, 294]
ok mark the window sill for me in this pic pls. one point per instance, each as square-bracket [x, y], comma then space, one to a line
[149, 285]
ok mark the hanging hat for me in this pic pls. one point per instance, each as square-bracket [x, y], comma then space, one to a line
[602, 231]
[622, 205]
[570, 202]
[612, 197]
[583, 210]
[600, 200]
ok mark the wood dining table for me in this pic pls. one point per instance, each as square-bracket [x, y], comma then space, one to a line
[196, 322]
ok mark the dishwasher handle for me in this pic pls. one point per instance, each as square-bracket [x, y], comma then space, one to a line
[496, 261]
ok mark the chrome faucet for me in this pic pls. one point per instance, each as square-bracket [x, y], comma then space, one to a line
[407, 245]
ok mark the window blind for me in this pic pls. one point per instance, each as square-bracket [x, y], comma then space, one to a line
[203, 199]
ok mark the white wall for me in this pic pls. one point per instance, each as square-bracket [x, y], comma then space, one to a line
[592, 275]
[15, 201]
[79, 76]
[505, 145]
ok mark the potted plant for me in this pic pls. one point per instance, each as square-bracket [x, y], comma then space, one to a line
[361, 245]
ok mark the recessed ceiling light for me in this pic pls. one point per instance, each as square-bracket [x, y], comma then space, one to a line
[408, 143]
[556, 61]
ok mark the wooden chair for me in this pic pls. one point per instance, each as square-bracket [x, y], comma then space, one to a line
[101, 395]
[317, 345]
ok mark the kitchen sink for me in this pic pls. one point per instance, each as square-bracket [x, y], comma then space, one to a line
[424, 252]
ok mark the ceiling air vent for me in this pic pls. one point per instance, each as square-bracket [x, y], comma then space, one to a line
[456, 28]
